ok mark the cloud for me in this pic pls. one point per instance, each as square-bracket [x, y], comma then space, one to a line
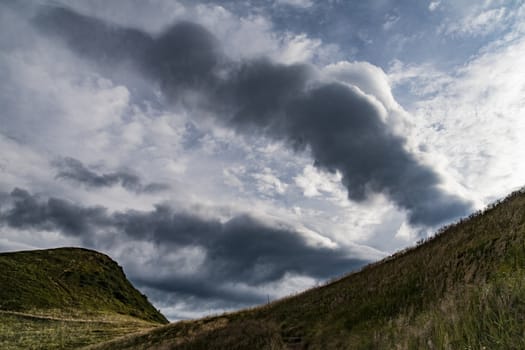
[490, 19]
[481, 23]
[73, 170]
[268, 183]
[313, 183]
[241, 250]
[184, 56]
[295, 3]
[434, 5]
[471, 116]
[338, 124]
[369, 78]
[29, 212]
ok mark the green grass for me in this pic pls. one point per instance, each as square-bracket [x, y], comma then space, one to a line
[462, 289]
[67, 298]
[70, 279]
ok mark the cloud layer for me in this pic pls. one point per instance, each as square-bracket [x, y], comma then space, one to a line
[73, 170]
[213, 256]
[339, 125]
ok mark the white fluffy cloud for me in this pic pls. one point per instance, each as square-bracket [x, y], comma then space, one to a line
[471, 118]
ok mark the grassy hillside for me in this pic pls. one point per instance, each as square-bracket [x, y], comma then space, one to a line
[463, 289]
[67, 297]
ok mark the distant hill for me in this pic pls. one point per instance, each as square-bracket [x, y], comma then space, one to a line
[77, 294]
[462, 289]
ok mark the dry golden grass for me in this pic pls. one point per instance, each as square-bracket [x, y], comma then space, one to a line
[25, 331]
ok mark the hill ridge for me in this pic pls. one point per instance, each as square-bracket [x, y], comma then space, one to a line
[70, 278]
[453, 290]
[66, 298]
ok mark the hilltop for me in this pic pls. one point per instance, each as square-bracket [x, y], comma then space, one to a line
[462, 289]
[67, 297]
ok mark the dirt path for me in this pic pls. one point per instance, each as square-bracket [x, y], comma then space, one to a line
[80, 320]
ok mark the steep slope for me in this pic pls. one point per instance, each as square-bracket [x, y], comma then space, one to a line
[78, 295]
[463, 289]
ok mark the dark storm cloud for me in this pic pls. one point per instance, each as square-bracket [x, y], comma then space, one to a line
[339, 125]
[29, 212]
[73, 170]
[241, 250]
[185, 56]
[209, 289]
[107, 43]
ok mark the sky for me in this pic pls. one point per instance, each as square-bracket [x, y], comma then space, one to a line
[230, 152]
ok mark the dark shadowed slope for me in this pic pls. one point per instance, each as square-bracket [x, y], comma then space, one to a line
[67, 297]
[463, 289]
